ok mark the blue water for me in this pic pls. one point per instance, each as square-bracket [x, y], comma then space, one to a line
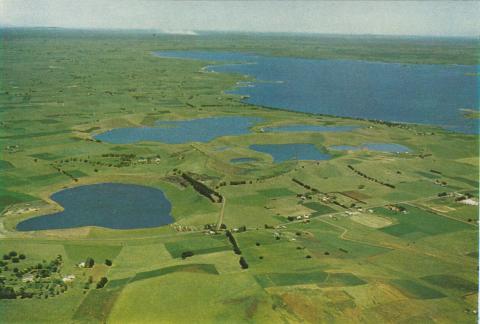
[176, 132]
[243, 160]
[310, 128]
[412, 93]
[286, 152]
[112, 205]
[381, 147]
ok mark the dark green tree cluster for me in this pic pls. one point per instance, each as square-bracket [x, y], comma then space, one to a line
[103, 281]
[203, 189]
[243, 263]
[236, 183]
[187, 254]
[14, 256]
[89, 262]
[232, 240]
[43, 279]
[242, 229]
[7, 293]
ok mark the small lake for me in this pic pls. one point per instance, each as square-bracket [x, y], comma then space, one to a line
[203, 130]
[111, 205]
[183, 131]
[380, 147]
[411, 93]
[286, 152]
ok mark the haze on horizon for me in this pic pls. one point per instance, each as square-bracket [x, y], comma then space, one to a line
[422, 18]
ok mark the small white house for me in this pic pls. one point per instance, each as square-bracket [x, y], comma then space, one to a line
[68, 278]
[28, 278]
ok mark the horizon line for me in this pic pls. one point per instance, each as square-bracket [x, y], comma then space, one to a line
[195, 32]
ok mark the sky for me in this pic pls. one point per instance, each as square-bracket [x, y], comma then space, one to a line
[432, 18]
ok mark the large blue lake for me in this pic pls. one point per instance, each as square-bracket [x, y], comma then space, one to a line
[412, 93]
[111, 205]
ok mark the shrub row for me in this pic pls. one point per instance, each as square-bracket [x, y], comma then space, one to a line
[370, 178]
[203, 189]
[236, 183]
[306, 186]
[232, 240]
[65, 173]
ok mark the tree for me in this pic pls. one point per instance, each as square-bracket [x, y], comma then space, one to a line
[103, 281]
[243, 263]
[108, 262]
[7, 293]
[187, 254]
[22, 257]
[89, 262]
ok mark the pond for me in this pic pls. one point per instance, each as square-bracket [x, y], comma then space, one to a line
[203, 130]
[286, 152]
[380, 147]
[111, 205]
[412, 93]
[183, 131]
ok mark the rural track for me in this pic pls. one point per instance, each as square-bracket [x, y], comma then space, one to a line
[222, 212]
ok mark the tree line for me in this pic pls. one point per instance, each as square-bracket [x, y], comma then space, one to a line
[360, 173]
[203, 189]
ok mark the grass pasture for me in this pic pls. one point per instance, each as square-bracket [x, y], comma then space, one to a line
[200, 268]
[451, 282]
[416, 290]
[79, 252]
[197, 246]
[422, 222]
[96, 306]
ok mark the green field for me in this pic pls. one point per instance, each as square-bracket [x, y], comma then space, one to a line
[344, 252]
